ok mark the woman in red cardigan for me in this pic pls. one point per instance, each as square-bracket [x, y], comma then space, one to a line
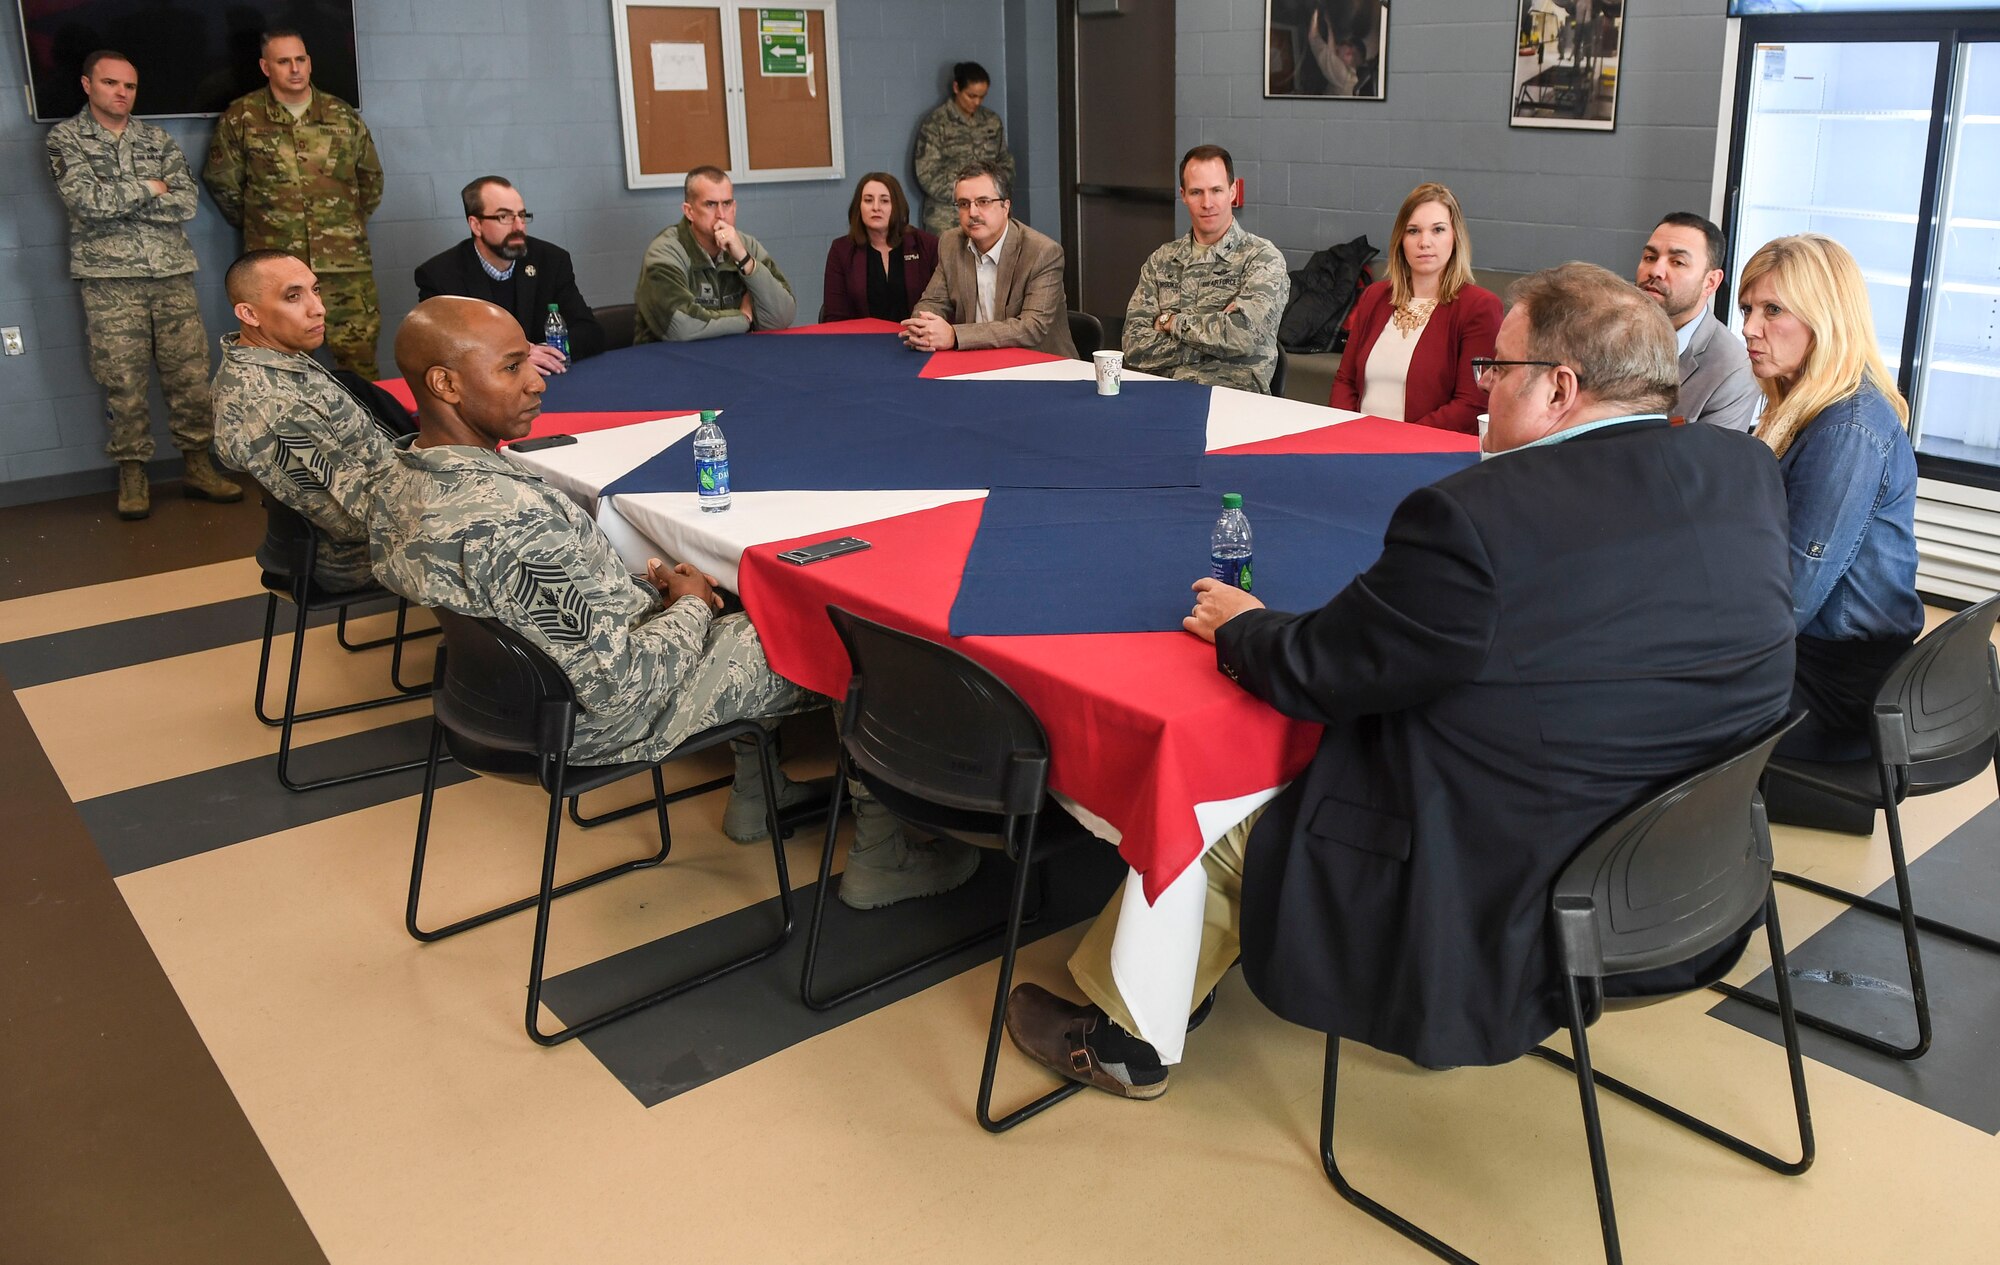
[1412, 340]
[881, 267]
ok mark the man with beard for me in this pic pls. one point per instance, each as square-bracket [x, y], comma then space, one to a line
[502, 264]
[1680, 268]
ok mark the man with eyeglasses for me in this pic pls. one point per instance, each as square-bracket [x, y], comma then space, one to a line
[702, 278]
[1547, 638]
[997, 284]
[524, 275]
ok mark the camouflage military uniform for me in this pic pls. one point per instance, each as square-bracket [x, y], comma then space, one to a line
[131, 254]
[283, 420]
[1226, 300]
[306, 185]
[683, 295]
[947, 142]
[469, 530]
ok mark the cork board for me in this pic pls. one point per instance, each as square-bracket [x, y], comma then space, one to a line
[788, 117]
[679, 127]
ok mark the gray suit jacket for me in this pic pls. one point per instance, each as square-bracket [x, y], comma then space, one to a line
[1029, 310]
[1716, 383]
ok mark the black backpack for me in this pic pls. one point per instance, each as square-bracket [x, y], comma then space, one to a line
[1322, 293]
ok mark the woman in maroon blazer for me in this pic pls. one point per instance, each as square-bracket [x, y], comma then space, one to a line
[1412, 340]
[881, 267]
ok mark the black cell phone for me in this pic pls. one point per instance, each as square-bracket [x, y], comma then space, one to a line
[806, 555]
[540, 442]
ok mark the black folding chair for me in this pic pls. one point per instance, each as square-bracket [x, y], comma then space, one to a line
[289, 556]
[947, 747]
[504, 709]
[1087, 332]
[619, 321]
[1278, 374]
[1660, 886]
[395, 420]
[1935, 719]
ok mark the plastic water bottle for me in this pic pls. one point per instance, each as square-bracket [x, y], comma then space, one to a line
[711, 465]
[555, 333]
[1229, 544]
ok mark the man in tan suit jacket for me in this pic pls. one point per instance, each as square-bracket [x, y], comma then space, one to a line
[997, 284]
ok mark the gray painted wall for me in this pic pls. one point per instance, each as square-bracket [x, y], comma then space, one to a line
[530, 96]
[1532, 198]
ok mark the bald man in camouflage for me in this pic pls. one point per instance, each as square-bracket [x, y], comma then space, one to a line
[127, 189]
[455, 524]
[295, 168]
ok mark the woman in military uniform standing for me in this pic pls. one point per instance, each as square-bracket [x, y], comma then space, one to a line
[957, 134]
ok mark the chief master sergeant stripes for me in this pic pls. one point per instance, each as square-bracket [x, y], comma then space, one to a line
[296, 170]
[127, 189]
[286, 422]
[455, 524]
[1207, 305]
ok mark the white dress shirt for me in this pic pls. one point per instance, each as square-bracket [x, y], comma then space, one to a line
[986, 269]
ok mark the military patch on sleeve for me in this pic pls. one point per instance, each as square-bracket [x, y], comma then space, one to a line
[549, 597]
[304, 463]
[56, 164]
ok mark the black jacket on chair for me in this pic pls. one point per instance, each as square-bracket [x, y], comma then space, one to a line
[1547, 638]
[541, 277]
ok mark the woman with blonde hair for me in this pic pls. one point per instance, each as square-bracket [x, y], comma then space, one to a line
[1834, 418]
[1413, 336]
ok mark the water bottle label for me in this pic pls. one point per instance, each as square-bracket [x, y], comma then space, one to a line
[712, 476]
[1231, 571]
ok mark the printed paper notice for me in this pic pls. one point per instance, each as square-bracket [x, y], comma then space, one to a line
[680, 67]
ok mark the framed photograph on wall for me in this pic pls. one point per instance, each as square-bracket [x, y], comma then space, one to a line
[1326, 48]
[1566, 64]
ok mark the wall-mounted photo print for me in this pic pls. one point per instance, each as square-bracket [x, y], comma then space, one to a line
[1566, 64]
[1326, 48]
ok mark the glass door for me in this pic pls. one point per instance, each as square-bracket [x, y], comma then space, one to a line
[1835, 136]
[1956, 397]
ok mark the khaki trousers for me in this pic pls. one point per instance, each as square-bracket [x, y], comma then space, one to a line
[1220, 942]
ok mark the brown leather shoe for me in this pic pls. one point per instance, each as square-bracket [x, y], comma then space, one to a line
[1082, 1044]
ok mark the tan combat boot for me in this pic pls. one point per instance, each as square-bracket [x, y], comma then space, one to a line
[203, 482]
[135, 495]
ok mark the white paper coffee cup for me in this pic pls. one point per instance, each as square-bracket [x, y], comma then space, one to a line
[1484, 418]
[1110, 370]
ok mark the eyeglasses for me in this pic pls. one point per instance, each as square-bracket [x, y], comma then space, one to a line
[525, 218]
[980, 204]
[714, 208]
[1483, 368]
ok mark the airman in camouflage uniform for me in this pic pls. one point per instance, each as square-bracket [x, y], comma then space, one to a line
[952, 137]
[457, 525]
[295, 168]
[1207, 305]
[282, 418]
[127, 189]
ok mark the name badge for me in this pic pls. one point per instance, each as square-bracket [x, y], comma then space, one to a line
[708, 294]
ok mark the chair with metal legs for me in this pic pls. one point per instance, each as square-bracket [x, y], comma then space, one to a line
[947, 747]
[1661, 886]
[289, 557]
[505, 710]
[1936, 719]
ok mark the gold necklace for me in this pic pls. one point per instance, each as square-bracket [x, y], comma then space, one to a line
[1410, 317]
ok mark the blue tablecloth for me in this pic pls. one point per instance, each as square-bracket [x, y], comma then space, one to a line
[882, 433]
[717, 372]
[1122, 560]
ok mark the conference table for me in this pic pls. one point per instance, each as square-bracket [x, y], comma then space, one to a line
[1151, 747]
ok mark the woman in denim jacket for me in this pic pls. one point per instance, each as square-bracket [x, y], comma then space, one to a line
[1834, 418]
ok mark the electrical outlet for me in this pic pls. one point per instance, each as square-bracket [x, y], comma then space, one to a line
[10, 338]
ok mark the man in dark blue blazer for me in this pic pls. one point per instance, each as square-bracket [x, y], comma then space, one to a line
[502, 264]
[1547, 638]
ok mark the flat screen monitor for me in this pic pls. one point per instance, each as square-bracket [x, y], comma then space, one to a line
[193, 56]
[1759, 8]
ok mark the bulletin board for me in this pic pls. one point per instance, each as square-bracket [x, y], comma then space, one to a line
[747, 87]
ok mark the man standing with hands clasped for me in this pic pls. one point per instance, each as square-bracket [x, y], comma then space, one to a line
[701, 278]
[127, 189]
